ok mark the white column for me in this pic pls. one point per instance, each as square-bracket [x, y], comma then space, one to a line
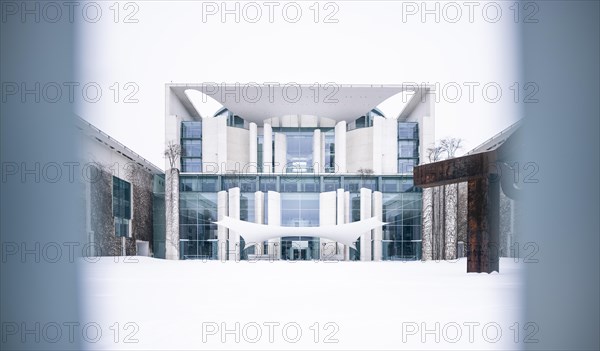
[317, 147]
[340, 146]
[365, 213]
[377, 232]
[267, 148]
[280, 153]
[234, 212]
[252, 149]
[347, 219]
[259, 215]
[341, 217]
[274, 218]
[222, 211]
[327, 216]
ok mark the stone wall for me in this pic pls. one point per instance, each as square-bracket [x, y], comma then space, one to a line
[101, 212]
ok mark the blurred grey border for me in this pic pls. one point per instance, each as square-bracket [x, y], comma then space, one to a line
[32, 211]
[560, 53]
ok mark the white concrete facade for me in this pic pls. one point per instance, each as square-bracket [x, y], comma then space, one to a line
[229, 147]
[365, 213]
[274, 218]
[234, 212]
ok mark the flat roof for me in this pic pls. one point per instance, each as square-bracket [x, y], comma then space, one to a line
[257, 102]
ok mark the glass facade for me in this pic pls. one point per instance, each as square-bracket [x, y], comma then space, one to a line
[121, 200]
[197, 232]
[408, 146]
[299, 208]
[402, 234]
[299, 149]
[191, 146]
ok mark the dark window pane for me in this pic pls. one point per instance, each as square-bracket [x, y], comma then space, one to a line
[191, 130]
[191, 165]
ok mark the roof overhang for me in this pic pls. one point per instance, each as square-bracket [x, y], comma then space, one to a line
[257, 102]
[346, 233]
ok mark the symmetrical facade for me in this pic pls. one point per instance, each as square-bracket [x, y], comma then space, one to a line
[310, 158]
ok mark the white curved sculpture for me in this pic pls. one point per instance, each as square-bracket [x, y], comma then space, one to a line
[346, 234]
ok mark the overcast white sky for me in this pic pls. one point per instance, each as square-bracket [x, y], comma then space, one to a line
[375, 42]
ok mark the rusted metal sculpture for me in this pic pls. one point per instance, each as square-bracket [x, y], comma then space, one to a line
[483, 172]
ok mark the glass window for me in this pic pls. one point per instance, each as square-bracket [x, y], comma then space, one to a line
[191, 130]
[191, 148]
[408, 130]
[268, 184]
[299, 153]
[329, 166]
[299, 209]
[246, 184]
[188, 183]
[353, 184]
[192, 165]
[406, 165]
[121, 197]
[331, 183]
[407, 148]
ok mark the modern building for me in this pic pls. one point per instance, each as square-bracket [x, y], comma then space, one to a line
[294, 172]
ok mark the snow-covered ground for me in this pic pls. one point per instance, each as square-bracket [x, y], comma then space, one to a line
[145, 303]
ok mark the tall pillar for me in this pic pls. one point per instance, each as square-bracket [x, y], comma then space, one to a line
[347, 219]
[377, 232]
[340, 147]
[483, 226]
[280, 153]
[340, 216]
[172, 214]
[327, 216]
[267, 148]
[274, 218]
[317, 150]
[222, 211]
[234, 212]
[365, 213]
[252, 166]
[259, 215]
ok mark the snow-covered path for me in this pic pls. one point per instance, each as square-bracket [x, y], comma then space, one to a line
[180, 305]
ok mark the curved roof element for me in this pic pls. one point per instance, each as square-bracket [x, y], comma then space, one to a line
[346, 233]
[257, 102]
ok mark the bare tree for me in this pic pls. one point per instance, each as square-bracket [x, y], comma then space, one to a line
[434, 154]
[173, 153]
[450, 146]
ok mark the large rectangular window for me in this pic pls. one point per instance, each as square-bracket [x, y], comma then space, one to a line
[197, 231]
[408, 146]
[191, 146]
[121, 197]
[402, 233]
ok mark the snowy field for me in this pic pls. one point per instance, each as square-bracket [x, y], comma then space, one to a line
[144, 303]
